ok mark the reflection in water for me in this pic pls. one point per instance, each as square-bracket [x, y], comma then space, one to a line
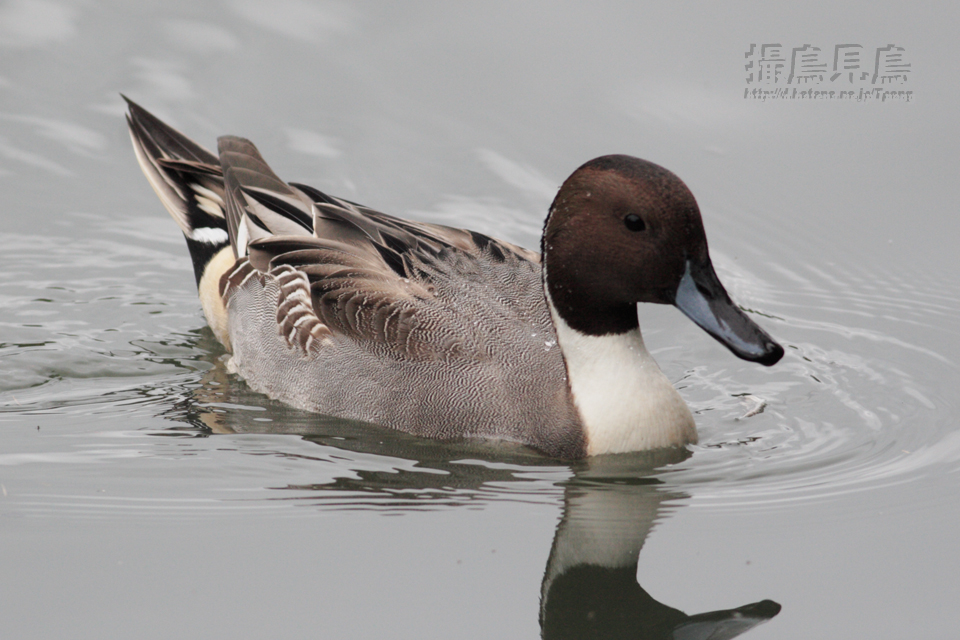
[610, 505]
[590, 587]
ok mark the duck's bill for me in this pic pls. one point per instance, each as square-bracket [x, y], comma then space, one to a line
[703, 299]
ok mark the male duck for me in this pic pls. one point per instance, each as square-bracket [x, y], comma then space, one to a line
[442, 332]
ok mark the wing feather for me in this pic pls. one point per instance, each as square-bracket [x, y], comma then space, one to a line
[258, 203]
[368, 276]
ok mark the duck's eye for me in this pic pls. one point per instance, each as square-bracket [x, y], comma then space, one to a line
[634, 222]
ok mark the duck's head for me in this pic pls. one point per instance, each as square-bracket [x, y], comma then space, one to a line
[623, 230]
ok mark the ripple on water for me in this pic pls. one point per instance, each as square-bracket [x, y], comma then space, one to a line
[859, 402]
[84, 308]
[106, 332]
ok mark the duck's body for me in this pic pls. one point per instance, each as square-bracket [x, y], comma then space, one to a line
[423, 364]
[440, 332]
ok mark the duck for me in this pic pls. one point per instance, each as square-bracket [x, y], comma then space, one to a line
[333, 307]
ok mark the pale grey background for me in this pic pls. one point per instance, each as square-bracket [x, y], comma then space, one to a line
[837, 220]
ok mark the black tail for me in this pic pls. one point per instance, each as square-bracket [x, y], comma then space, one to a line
[189, 181]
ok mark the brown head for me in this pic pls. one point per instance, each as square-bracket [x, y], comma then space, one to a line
[623, 230]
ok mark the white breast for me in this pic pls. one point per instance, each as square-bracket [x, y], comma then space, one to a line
[625, 401]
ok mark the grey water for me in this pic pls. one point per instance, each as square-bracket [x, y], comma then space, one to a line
[146, 492]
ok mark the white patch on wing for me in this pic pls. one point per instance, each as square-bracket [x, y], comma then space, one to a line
[209, 206]
[207, 193]
[243, 237]
[624, 400]
[208, 200]
[209, 235]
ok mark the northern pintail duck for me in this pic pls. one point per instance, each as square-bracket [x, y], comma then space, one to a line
[333, 307]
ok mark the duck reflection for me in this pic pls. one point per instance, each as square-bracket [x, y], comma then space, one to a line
[590, 587]
[610, 505]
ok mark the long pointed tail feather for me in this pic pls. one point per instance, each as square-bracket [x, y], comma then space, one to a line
[188, 180]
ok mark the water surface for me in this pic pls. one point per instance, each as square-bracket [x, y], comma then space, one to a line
[145, 492]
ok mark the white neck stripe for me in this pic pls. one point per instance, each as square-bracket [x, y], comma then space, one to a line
[625, 401]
